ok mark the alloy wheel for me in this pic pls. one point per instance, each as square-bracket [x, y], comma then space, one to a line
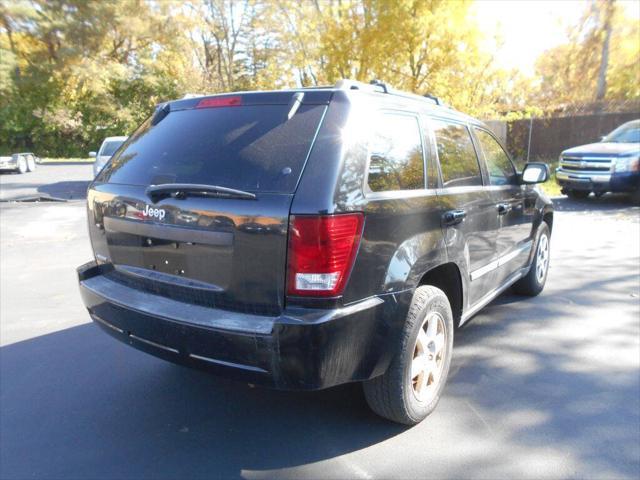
[542, 261]
[428, 357]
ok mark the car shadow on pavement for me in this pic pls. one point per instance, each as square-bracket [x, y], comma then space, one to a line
[69, 190]
[605, 203]
[77, 404]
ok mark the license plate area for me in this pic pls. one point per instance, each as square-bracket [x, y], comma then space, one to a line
[204, 264]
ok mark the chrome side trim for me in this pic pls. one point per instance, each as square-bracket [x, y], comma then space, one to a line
[227, 364]
[463, 189]
[484, 301]
[480, 272]
[513, 254]
[489, 267]
[400, 194]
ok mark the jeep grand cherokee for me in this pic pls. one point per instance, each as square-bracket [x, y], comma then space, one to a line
[306, 238]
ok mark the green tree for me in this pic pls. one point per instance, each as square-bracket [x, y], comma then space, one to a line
[78, 71]
[601, 61]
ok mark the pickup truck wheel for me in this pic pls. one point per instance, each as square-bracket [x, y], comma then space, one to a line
[578, 194]
[31, 163]
[533, 283]
[22, 165]
[410, 388]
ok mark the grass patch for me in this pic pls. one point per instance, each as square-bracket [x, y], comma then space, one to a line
[551, 187]
[48, 160]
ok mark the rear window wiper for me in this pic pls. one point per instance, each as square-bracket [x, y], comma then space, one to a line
[184, 190]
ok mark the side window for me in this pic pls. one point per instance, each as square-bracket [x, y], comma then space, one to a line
[396, 159]
[457, 156]
[501, 171]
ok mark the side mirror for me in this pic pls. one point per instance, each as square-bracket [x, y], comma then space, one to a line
[535, 172]
[92, 154]
[602, 138]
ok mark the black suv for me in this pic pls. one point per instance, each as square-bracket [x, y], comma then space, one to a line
[306, 238]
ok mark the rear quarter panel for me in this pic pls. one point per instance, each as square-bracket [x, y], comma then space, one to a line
[402, 237]
[402, 240]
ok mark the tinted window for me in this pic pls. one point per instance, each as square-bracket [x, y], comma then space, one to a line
[501, 171]
[252, 148]
[396, 161]
[109, 148]
[457, 156]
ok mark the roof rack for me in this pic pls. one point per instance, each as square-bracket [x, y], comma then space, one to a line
[346, 84]
[376, 85]
[435, 99]
[380, 83]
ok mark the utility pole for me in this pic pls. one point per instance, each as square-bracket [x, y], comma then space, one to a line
[529, 141]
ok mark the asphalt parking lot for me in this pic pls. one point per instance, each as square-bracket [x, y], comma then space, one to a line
[60, 181]
[547, 387]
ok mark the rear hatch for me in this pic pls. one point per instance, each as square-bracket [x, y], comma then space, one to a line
[195, 205]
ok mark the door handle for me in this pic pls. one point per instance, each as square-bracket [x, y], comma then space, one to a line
[453, 217]
[503, 208]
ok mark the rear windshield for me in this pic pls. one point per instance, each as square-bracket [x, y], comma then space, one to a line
[109, 148]
[254, 148]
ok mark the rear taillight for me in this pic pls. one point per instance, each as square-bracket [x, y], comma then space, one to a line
[322, 249]
[231, 101]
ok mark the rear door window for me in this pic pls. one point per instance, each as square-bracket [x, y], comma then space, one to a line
[501, 170]
[396, 160]
[458, 160]
[252, 147]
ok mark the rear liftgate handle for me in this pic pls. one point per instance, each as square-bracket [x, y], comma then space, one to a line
[453, 217]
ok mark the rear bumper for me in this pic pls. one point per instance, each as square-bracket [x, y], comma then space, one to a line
[302, 349]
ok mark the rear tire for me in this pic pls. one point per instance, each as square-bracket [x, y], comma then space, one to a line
[533, 283]
[410, 388]
[22, 165]
[578, 194]
[31, 163]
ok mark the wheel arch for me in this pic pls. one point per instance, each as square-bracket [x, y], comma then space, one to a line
[547, 217]
[447, 277]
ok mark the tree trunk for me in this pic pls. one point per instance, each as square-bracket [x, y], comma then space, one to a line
[604, 58]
